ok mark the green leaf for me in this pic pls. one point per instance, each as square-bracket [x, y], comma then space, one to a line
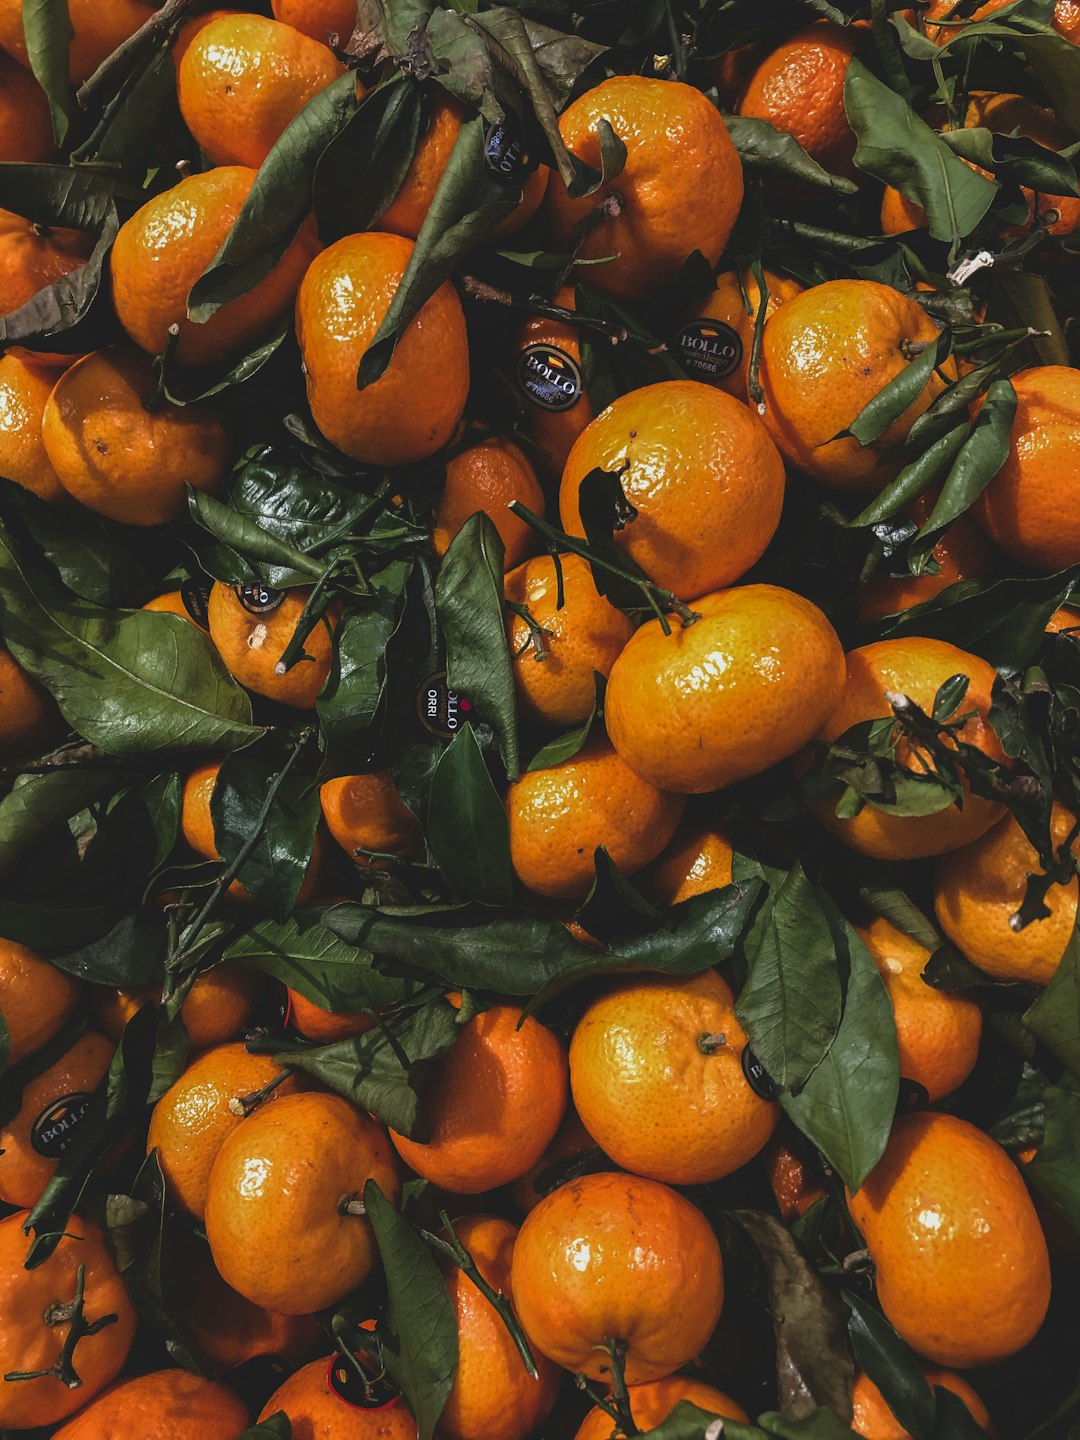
[613, 907]
[1056, 63]
[245, 541]
[762, 147]
[1055, 1015]
[131, 682]
[1020, 298]
[566, 746]
[134, 118]
[901, 150]
[419, 1337]
[467, 825]
[274, 1427]
[384, 1070]
[361, 170]
[49, 32]
[33, 810]
[1015, 160]
[469, 603]
[901, 392]
[1055, 1170]
[891, 1365]
[917, 476]
[276, 203]
[130, 955]
[846, 1107]
[893, 905]
[791, 1002]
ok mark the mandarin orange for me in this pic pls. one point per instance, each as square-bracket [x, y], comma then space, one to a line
[164, 1405]
[487, 477]
[650, 1405]
[799, 88]
[36, 997]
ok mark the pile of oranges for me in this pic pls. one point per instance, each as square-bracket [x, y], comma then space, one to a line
[539, 720]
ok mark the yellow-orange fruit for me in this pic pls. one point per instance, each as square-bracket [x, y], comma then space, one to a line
[318, 18]
[547, 366]
[799, 88]
[98, 26]
[650, 1405]
[315, 1410]
[487, 477]
[25, 386]
[165, 1405]
[366, 812]
[252, 631]
[219, 1004]
[33, 256]
[873, 1420]
[35, 996]
[25, 124]
[721, 355]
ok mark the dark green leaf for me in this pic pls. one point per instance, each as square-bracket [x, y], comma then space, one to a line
[1018, 298]
[893, 399]
[419, 1335]
[1015, 160]
[1055, 1016]
[42, 803]
[565, 747]
[562, 57]
[469, 602]
[613, 907]
[467, 825]
[1056, 62]
[252, 551]
[762, 147]
[916, 477]
[361, 170]
[274, 1427]
[894, 905]
[894, 1369]
[130, 955]
[1055, 1170]
[48, 30]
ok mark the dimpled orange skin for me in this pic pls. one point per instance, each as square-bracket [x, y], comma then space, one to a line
[824, 356]
[33, 257]
[164, 248]
[962, 1269]
[742, 688]
[191, 1121]
[937, 1032]
[35, 997]
[273, 1214]
[487, 477]
[794, 1179]
[492, 1105]
[873, 1420]
[25, 124]
[695, 464]
[251, 644]
[650, 1405]
[27, 1344]
[571, 1140]
[656, 1089]
[316, 1413]
[99, 26]
[615, 1256]
[734, 301]
[413, 409]
[24, 1173]
[679, 191]
[318, 18]
[584, 636]
[916, 667]
[560, 814]
[1030, 508]
[979, 888]
[219, 1004]
[24, 389]
[1066, 19]
[554, 431]
[314, 1023]
[799, 88]
[697, 860]
[164, 1405]
[492, 1397]
[366, 812]
[120, 459]
[242, 79]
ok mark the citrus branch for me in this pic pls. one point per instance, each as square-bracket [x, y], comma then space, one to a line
[73, 1314]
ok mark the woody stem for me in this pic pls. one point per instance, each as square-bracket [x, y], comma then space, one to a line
[536, 631]
[73, 1314]
[243, 1105]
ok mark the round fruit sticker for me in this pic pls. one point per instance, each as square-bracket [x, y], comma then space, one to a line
[756, 1075]
[196, 598]
[505, 152]
[54, 1129]
[259, 599]
[441, 710]
[708, 349]
[359, 1391]
[549, 377]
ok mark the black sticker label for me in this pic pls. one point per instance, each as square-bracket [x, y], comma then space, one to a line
[196, 598]
[912, 1096]
[259, 599]
[441, 710]
[359, 1391]
[54, 1129]
[505, 150]
[708, 349]
[549, 377]
[756, 1076]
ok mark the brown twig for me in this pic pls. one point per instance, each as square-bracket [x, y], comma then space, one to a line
[127, 52]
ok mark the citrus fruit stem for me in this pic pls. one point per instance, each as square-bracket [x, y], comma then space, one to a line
[243, 1105]
[70, 1313]
[351, 1205]
[710, 1044]
[536, 632]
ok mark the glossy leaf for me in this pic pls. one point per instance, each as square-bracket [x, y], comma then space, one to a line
[762, 147]
[48, 31]
[32, 810]
[467, 824]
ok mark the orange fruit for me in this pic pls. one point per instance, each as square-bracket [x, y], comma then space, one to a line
[47, 1120]
[25, 122]
[656, 1074]
[164, 1405]
[316, 1412]
[33, 256]
[799, 88]
[650, 1405]
[164, 248]
[487, 477]
[318, 18]
[121, 454]
[794, 1178]
[826, 354]
[1028, 507]
[191, 1121]
[409, 208]
[555, 685]
[219, 1004]
[731, 71]
[547, 366]
[873, 1420]
[493, 1396]
[326, 1026]
[35, 997]
[34, 1328]
[962, 1270]
[720, 354]
[560, 814]
[251, 627]
[693, 463]
[1065, 617]
[242, 79]
[962, 553]
[365, 812]
[571, 1140]
[99, 26]
[275, 1213]
[27, 715]
[492, 1105]
[228, 1329]
[615, 1257]
[176, 602]
[413, 409]
[697, 860]
[679, 191]
[191, 28]
[738, 690]
[1066, 20]
[25, 386]
[978, 889]
[916, 667]
[937, 1032]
